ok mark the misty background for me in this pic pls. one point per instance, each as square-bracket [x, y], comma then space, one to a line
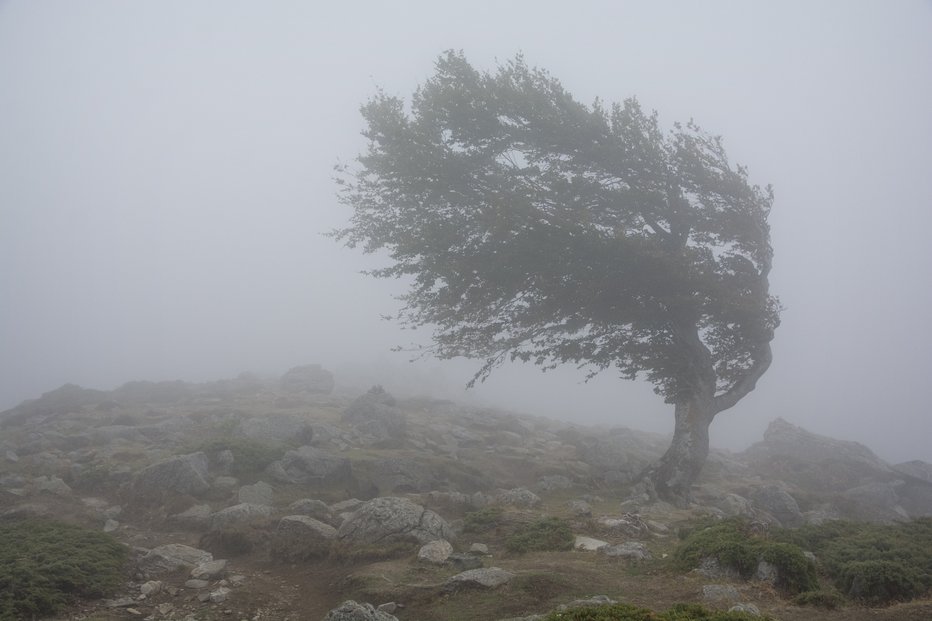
[165, 181]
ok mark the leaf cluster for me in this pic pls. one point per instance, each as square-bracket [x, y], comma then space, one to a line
[533, 227]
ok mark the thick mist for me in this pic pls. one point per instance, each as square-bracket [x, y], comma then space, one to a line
[165, 187]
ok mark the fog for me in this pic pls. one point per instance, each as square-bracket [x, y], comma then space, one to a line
[165, 183]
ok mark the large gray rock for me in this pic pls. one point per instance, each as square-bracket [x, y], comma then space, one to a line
[184, 474]
[390, 519]
[316, 509]
[171, 556]
[375, 415]
[239, 514]
[355, 611]
[299, 537]
[517, 497]
[435, 552]
[917, 469]
[259, 493]
[310, 378]
[780, 504]
[309, 465]
[813, 462]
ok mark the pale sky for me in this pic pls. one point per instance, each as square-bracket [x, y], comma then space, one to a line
[165, 180]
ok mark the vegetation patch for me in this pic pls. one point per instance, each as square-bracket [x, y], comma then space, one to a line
[626, 612]
[871, 563]
[545, 534]
[44, 565]
[736, 545]
[483, 520]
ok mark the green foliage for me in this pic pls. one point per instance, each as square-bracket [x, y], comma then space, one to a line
[482, 520]
[829, 599]
[250, 457]
[874, 563]
[733, 543]
[880, 582]
[627, 612]
[45, 564]
[536, 228]
[543, 535]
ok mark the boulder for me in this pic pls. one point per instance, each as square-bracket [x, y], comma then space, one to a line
[277, 429]
[259, 493]
[517, 497]
[588, 544]
[209, 570]
[435, 552]
[316, 509]
[485, 578]
[813, 462]
[310, 378]
[169, 557]
[299, 537]
[355, 611]
[308, 465]
[374, 414]
[239, 514]
[184, 474]
[778, 503]
[391, 519]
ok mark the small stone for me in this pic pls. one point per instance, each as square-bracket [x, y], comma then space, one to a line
[165, 608]
[209, 570]
[588, 544]
[152, 587]
[479, 549]
[580, 508]
[196, 584]
[389, 607]
[220, 595]
[111, 525]
[435, 552]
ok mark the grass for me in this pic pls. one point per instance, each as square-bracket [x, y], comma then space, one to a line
[44, 565]
[545, 534]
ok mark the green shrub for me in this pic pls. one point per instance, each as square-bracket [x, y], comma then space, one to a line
[482, 520]
[875, 563]
[545, 534]
[735, 545]
[626, 612]
[880, 582]
[45, 564]
[829, 599]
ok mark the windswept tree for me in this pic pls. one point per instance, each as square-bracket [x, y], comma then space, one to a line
[533, 227]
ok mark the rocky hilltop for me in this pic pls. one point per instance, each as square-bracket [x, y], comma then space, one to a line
[312, 496]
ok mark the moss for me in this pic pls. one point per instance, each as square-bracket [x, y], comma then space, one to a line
[46, 564]
[545, 534]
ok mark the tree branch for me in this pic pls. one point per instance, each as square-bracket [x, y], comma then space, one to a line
[747, 383]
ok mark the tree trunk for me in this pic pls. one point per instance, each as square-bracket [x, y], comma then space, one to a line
[672, 477]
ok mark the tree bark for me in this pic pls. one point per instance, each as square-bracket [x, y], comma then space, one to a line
[672, 477]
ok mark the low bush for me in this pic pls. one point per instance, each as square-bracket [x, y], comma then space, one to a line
[871, 563]
[543, 535]
[736, 545]
[46, 564]
[829, 599]
[626, 612]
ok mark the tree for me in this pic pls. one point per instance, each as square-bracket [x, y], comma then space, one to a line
[532, 227]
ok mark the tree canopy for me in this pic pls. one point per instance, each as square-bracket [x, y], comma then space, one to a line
[534, 227]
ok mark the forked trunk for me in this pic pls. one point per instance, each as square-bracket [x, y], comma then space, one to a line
[672, 477]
